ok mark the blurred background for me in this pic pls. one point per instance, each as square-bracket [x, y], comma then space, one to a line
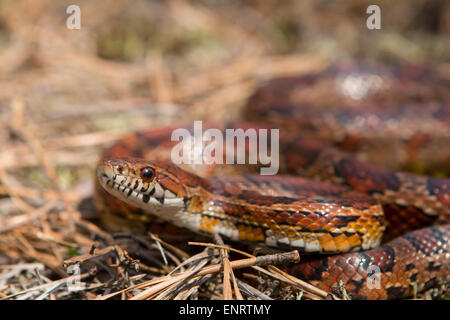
[139, 63]
[66, 94]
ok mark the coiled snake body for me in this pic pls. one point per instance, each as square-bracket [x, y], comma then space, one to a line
[331, 123]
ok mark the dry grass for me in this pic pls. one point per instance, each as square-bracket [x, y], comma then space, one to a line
[66, 94]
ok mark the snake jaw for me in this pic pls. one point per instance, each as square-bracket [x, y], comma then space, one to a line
[159, 196]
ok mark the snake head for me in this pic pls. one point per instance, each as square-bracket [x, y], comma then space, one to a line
[150, 185]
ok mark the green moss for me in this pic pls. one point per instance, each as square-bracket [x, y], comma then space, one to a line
[289, 35]
[72, 252]
[67, 177]
[36, 176]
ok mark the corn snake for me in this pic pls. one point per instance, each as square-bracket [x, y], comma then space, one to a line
[348, 212]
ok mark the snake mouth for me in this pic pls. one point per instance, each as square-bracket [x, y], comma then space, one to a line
[134, 190]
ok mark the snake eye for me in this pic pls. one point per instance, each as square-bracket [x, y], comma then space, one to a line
[147, 174]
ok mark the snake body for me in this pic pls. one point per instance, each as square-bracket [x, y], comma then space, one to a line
[347, 212]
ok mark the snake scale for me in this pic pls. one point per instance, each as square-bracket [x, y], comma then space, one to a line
[349, 134]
